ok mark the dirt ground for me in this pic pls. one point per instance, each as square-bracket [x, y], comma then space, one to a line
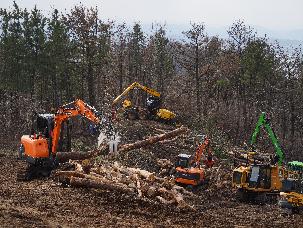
[44, 203]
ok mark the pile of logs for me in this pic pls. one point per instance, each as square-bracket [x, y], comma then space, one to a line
[166, 167]
[241, 157]
[133, 181]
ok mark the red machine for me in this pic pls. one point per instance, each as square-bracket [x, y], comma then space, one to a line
[190, 172]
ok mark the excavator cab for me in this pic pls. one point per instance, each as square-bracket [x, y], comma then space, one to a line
[239, 178]
[35, 148]
[183, 161]
[153, 103]
[294, 180]
[295, 166]
[260, 177]
[44, 124]
[188, 176]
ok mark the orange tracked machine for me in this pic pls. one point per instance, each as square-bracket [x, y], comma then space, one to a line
[39, 148]
[189, 172]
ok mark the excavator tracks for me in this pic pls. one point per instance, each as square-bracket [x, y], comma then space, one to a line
[29, 172]
[24, 173]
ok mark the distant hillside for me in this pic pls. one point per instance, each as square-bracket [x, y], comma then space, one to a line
[288, 39]
[288, 44]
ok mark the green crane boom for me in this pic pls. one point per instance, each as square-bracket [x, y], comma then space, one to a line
[263, 121]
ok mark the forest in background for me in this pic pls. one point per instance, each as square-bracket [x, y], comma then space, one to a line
[218, 86]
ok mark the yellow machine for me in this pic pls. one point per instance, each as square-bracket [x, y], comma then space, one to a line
[291, 197]
[252, 179]
[292, 201]
[153, 110]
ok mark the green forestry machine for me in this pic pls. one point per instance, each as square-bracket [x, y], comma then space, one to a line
[254, 179]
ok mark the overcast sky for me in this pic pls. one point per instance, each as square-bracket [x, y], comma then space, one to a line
[271, 14]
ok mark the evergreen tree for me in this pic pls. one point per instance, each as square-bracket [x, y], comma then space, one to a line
[59, 55]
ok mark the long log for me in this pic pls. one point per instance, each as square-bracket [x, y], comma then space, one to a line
[68, 174]
[76, 155]
[107, 185]
[152, 140]
[179, 199]
[65, 156]
[65, 176]
[257, 157]
[164, 201]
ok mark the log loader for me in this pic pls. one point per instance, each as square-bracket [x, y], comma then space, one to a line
[190, 173]
[291, 195]
[153, 110]
[254, 179]
[39, 148]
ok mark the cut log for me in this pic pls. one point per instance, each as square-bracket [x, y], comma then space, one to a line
[168, 141]
[68, 174]
[143, 173]
[89, 183]
[65, 156]
[182, 190]
[164, 201]
[159, 130]
[243, 156]
[64, 176]
[152, 140]
[139, 188]
[179, 199]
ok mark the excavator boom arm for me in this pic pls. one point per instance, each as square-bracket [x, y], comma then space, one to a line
[259, 124]
[65, 112]
[275, 141]
[262, 121]
[136, 85]
[201, 148]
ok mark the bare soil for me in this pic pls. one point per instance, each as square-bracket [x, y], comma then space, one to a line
[44, 203]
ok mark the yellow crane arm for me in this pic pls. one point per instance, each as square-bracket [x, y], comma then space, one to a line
[137, 85]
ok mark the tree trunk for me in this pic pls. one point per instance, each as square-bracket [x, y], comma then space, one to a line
[104, 184]
[90, 84]
[152, 140]
[198, 87]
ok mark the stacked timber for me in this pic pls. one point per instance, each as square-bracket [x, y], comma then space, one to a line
[134, 181]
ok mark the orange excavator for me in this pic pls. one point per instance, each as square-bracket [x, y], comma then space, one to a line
[189, 172]
[39, 148]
